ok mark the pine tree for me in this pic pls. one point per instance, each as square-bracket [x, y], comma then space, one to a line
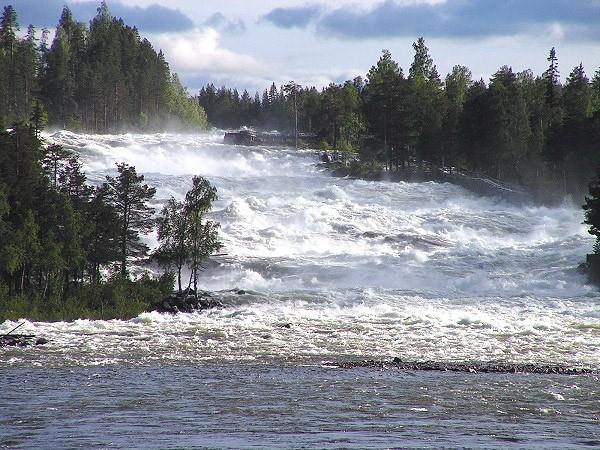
[55, 157]
[592, 210]
[551, 77]
[422, 65]
[38, 118]
[385, 93]
[457, 86]
[9, 28]
[72, 182]
[129, 197]
[426, 104]
[101, 240]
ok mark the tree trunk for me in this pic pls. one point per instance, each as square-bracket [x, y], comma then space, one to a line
[179, 278]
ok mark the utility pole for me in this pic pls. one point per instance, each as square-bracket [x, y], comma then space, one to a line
[292, 89]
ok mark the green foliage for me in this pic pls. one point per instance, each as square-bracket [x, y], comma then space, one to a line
[325, 146]
[185, 111]
[173, 225]
[129, 196]
[518, 127]
[98, 78]
[115, 299]
[58, 235]
[39, 117]
[386, 110]
[202, 235]
[592, 210]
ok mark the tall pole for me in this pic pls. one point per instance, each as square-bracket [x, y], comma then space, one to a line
[289, 89]
[296, 111]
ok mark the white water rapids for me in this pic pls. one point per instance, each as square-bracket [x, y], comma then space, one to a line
[337, 268]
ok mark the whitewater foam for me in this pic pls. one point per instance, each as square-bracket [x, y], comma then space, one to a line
[355, 268]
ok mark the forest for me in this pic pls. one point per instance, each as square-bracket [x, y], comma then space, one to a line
[518, 127]
[97, 78]
[66, 246]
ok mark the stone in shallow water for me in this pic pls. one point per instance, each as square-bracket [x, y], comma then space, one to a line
[187, 302]
[474, 368]
[21, 340]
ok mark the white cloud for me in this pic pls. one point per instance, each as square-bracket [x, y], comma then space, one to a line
[199, 51]
[198, 57]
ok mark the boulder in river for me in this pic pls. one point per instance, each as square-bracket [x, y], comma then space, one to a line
[21, 340]
[187, 301]
[467, 367]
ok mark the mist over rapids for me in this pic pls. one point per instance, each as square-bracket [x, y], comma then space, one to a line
[338, 269]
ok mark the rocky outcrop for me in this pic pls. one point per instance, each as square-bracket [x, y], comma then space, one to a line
[187, 301]
[591, 268]
[398, 364]
[21, 340]
[476, 183]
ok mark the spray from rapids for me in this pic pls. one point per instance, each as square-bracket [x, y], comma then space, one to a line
[338, 268]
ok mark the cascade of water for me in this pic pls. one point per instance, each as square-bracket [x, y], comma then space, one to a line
[356, 267]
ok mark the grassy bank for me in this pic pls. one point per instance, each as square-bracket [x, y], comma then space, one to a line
[116, 298]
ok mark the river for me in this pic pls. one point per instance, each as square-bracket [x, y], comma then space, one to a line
[331, 270]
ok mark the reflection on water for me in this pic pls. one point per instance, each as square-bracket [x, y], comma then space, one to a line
[234, 406]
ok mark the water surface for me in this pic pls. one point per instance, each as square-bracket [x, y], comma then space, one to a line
[333, 269]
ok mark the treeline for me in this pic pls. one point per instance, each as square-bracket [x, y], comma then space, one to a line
[518, 127]
[66, 246]
[99, 78]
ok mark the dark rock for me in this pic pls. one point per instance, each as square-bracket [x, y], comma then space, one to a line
[592, 267]
[21, 340]
[473, 368]
[187, 301]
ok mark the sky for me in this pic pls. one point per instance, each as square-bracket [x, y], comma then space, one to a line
[250, 43]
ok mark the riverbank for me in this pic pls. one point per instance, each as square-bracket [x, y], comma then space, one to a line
[127, 300]
[474, 182]
[115, 298]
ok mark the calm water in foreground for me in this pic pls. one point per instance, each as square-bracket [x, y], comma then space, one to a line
[333, 270]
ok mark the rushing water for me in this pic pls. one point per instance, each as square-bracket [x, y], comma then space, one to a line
[333, 269]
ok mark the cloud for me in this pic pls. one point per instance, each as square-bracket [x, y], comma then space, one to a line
[295, 17]
[153, 18]
[260, 82]
[220, 22]
[448, 19]
[199, 51]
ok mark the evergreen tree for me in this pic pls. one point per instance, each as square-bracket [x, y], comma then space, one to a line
[385, 108]
[38, 118]
[102, 239]
[551, 78]
[73, 183]
[592, 210]
[54, 158]
[457, 87]
[509, 126]
[426, 104]
[9, 28]
[129, 197]
[475, 127]
[422, 65]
